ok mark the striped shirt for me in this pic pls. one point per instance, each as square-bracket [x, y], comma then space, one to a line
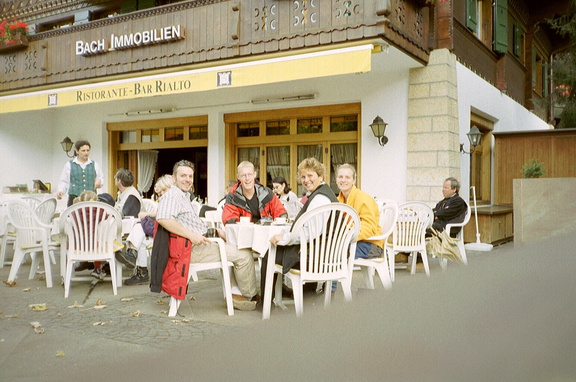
[175, 204]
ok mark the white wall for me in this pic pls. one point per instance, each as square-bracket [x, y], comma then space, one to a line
[381, 92]
[479, 96]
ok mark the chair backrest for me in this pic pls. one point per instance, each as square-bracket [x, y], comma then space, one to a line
[327, 236]
[90, 228]
[45, 210]
[32, 201]
[388, 218]
[466, 220]
[413, 219]
[214, 217]
[420, 205]
[23, 218]
[149, 205]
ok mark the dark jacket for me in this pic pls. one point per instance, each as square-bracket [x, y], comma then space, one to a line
[449, 210]
[159, 257]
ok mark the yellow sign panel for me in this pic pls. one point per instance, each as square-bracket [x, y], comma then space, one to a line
[290, 68]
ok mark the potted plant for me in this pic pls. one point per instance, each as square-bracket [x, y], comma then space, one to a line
[533, 169]
[13, 34]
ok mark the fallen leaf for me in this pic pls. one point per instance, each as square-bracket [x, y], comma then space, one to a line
[100, 302]
[60, 353]
[39, 330]
[38, 307]
[37, 327]
[160, 302]
[163, 312]
[183, 321]
[101, 323]
[12, 315]
[10, 283]
[41, 278]
[192, 298]
[135, 314]
[126, 299]
[26, 290]
[99, 306]
[35, 324]
[76, 305]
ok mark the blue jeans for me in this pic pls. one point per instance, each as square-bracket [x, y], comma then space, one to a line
[362, 250]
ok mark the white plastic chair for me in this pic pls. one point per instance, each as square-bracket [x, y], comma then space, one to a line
[7, 234]
[410, 233]
[88, 231]
[327, 239]
[214, 218]
[225, 267]
[459, 239]
[149, 205]
[32, 236]
[388, 217]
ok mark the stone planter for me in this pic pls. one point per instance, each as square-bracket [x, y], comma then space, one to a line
[19, 42]
[543, 208]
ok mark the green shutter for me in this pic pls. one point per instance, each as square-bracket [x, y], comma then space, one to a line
[501, 26]
[128, 6]
[143, 4]
[517, 40]
[471, 16]
[545, 67]
[533, 67]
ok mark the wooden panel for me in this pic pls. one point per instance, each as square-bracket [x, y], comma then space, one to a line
[556, 149]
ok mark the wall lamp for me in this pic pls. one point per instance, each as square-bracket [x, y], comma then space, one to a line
[378, 127]
[475, 137]
[67, 146]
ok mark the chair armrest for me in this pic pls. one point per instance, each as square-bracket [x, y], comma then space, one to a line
[222, 248]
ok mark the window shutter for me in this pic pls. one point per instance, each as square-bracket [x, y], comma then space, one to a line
[545, 67]
[501, 26]
[471, 16]
[144, 4]
[517, 40]
[128, 6]
[533, 68]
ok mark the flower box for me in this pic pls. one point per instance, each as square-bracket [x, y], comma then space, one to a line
[18, 42]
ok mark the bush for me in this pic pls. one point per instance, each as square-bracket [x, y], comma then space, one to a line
[533, 169]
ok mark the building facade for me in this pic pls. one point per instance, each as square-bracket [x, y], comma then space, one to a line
[218, 82]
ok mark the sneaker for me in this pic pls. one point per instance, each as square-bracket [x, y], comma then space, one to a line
[128, 258]
[98, 274]
[82, 266]
[241, 303]
[139, 278]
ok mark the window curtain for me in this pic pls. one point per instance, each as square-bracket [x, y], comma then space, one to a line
[279, 162]
[147, 160]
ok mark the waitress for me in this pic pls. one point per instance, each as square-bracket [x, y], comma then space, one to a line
[79, 174]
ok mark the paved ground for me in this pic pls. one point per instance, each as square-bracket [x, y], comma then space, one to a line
[508, 316]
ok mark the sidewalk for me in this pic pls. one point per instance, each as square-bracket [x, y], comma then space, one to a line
[509, 315]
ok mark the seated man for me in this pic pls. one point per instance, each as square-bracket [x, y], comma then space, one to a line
[451, 209]
[176, 215]
[129, 200]
[251, 199]
[367, 210]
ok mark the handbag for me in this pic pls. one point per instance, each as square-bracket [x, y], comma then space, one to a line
[442, 245]
[148, 224]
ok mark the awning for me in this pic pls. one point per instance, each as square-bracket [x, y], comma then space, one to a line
[347, 60]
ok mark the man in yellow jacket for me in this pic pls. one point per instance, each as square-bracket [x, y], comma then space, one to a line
[367, 209]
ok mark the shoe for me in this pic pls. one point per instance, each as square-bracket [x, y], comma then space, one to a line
[82, 266]
[141, 277]
[98, 274]
[242, 304]
[128, 258]
[401, 258]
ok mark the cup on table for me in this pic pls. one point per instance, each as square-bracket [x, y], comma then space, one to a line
[280, 220]
[244, 219]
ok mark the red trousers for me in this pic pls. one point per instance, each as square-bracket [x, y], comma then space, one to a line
[175, 276]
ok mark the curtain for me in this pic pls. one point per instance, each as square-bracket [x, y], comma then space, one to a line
[146, 168]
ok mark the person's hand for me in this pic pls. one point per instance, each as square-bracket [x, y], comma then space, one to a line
[221, 233]
[199, 239]
[276, 238]
[142, 215]
[97, 184]
[59, 195]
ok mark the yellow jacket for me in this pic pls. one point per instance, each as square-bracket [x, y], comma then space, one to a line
[367, 209]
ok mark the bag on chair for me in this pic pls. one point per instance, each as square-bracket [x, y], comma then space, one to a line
[442, 245]
[148, 225]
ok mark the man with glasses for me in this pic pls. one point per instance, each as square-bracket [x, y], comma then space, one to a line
[251, 199]
[177, 216]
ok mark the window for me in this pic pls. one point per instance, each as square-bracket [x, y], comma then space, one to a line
[518, 41]
[488, 20]
[539, 73]
[328, 133]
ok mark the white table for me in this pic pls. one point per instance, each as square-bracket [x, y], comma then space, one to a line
[254, 236]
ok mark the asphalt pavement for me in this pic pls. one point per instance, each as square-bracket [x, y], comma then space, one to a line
[507, 316]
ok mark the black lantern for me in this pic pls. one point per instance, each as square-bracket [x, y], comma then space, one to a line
[378, 127]
[475, 137]
[67, 146]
